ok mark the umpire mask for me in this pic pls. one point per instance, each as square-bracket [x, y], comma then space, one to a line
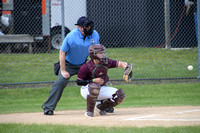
[88, 23]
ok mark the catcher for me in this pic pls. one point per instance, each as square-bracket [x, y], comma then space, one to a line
[93, 78]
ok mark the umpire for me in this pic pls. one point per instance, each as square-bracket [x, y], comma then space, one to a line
[73, 53]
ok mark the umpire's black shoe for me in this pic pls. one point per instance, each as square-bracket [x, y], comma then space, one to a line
[109, 110]
[48, 112]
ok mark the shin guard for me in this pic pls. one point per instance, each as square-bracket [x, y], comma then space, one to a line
[94, 90]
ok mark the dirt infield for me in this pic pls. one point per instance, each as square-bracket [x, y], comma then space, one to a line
[122, 117]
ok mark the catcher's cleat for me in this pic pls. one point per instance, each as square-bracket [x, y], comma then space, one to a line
[48, 112]
[89, 114]
[100, 112]
[110, 110]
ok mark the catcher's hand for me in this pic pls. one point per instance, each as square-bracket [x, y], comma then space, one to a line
[128, 73]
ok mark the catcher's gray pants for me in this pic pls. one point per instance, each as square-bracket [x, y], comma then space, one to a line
[58, 87]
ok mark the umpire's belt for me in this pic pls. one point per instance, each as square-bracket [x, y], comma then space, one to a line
[74, 65]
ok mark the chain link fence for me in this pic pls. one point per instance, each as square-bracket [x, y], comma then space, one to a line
[160, 38]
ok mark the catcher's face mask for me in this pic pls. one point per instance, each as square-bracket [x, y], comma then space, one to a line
[97, 52]
[102, 57]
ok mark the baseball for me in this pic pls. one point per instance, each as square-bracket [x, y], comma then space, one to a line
[190, 67]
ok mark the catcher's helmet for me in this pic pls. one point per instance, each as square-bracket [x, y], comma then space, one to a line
[93, 49]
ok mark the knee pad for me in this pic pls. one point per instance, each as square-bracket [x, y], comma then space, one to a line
[94, 89]
[119, 96]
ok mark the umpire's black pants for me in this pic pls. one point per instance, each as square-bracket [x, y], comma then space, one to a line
[58, 87]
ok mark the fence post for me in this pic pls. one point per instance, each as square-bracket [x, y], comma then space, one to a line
[167, 24]
[63, 19]
[45, 17]
[198, 25]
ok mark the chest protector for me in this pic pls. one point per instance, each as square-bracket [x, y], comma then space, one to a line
[98, 71]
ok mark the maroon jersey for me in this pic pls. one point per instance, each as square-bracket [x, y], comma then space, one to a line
[89, 70]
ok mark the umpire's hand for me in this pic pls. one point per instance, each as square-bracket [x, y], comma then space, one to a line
[65, 74]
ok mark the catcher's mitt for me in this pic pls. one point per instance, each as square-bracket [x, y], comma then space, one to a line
[128, 73]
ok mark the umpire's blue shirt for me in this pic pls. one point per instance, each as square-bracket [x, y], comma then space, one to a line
[76, 47]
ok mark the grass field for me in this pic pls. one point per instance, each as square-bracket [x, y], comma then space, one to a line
[30, 100]
[21, 128]
[148, 63]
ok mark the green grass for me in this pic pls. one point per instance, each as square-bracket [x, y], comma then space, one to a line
[148, 63]
[27, 67]
[157, 63]
[30, 100]
[22, 128]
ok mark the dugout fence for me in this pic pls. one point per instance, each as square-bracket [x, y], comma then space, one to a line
[159, 38]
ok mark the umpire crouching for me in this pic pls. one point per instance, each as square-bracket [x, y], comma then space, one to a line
[73, 53]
